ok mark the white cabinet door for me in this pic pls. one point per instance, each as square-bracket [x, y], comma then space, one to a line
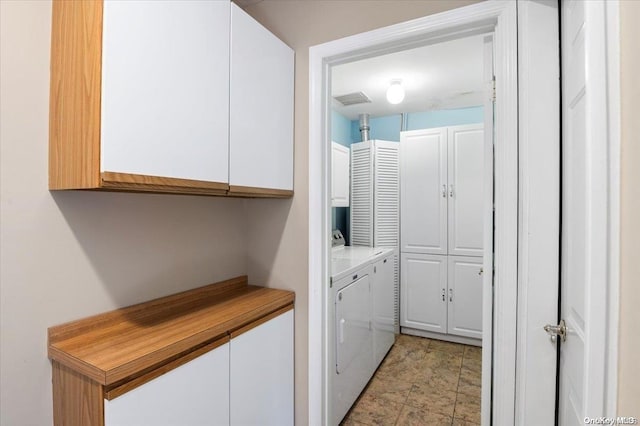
[466, 196]
[165, 89]
[423, 191]
[196, 393]
[423, 292]
[261, 108]
[382, 295]
[261, 382]
[465, 296]
[340, 160]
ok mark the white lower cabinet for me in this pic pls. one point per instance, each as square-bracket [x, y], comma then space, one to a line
[194, 394]
[465, 296]
[442, 294]
[261, 383]
[423, 292]
[248, 381]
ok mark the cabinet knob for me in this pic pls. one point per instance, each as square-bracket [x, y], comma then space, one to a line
[481, 271]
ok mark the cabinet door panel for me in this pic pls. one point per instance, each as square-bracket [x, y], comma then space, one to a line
[423, 196]
[261, 108]
[465, 298]
[165, 89]
[424, 284]
[382, 292]
[466, 195]
[340, 160]
[262, 374]
[196, 393]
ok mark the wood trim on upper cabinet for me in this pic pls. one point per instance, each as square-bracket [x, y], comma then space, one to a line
[75, 95]
[250, 191]
[77, 400]
[135, 182]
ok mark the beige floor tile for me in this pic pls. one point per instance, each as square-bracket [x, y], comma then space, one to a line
[472, 363]
[449, 347]
[471, 376]
[468, 388]
[474, 352]
[432, 400]
[372, 410]
[442, 359]
[393, 390]
[403, 369]
[462, 422]
[413, 352]
[414, 341]
[467, 408]
[443, 379]
[411, 416]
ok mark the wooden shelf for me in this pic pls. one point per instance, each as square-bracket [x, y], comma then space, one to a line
[118, 346]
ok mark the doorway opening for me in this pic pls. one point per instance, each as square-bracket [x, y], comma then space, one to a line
[500, 20]
[412, 183]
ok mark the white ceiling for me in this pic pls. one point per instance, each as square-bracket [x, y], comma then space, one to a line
[440, 76]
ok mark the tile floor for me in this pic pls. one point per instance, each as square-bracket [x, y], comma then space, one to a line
[422, 382]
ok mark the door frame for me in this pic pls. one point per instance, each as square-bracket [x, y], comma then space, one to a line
[515, 244]
[499, 18]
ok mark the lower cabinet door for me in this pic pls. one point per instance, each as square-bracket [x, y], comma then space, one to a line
[423, 292]
[261, 382]
[465, 296]
[194, 394]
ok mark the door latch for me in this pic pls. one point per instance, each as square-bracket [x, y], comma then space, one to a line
[557, 330]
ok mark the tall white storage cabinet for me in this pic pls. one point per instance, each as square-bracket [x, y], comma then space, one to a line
[375, 199]
[442, 201]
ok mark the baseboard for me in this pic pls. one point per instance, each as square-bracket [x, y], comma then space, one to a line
[440, 336]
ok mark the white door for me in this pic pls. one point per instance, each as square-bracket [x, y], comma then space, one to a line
[165, 89]
[466, 189]
[382, 295]
[423, 191]
[423, 292]
[340, 159]
[584, 216]
[465, 296]
[196, 393]
[261, 377]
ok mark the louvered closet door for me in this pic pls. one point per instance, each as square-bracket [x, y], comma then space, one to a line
[465, 190]
[423, 191]
[361, 194]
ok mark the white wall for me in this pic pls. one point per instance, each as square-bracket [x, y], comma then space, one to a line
[629, 368]
[66, 255]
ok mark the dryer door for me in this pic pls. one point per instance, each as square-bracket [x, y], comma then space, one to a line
[353, 323]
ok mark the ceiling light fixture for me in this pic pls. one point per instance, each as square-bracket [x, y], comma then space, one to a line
[395, 92]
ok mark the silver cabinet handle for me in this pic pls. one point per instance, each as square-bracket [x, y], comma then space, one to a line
[443, 294]
[450, 295]
[451, 190]
[444, 191]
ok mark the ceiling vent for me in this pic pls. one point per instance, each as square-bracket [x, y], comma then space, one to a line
[353, 99]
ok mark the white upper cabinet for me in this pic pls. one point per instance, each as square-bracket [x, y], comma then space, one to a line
[261, 108]
[165, 89]
[466, 189]
[340, 160]
[423, 191]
